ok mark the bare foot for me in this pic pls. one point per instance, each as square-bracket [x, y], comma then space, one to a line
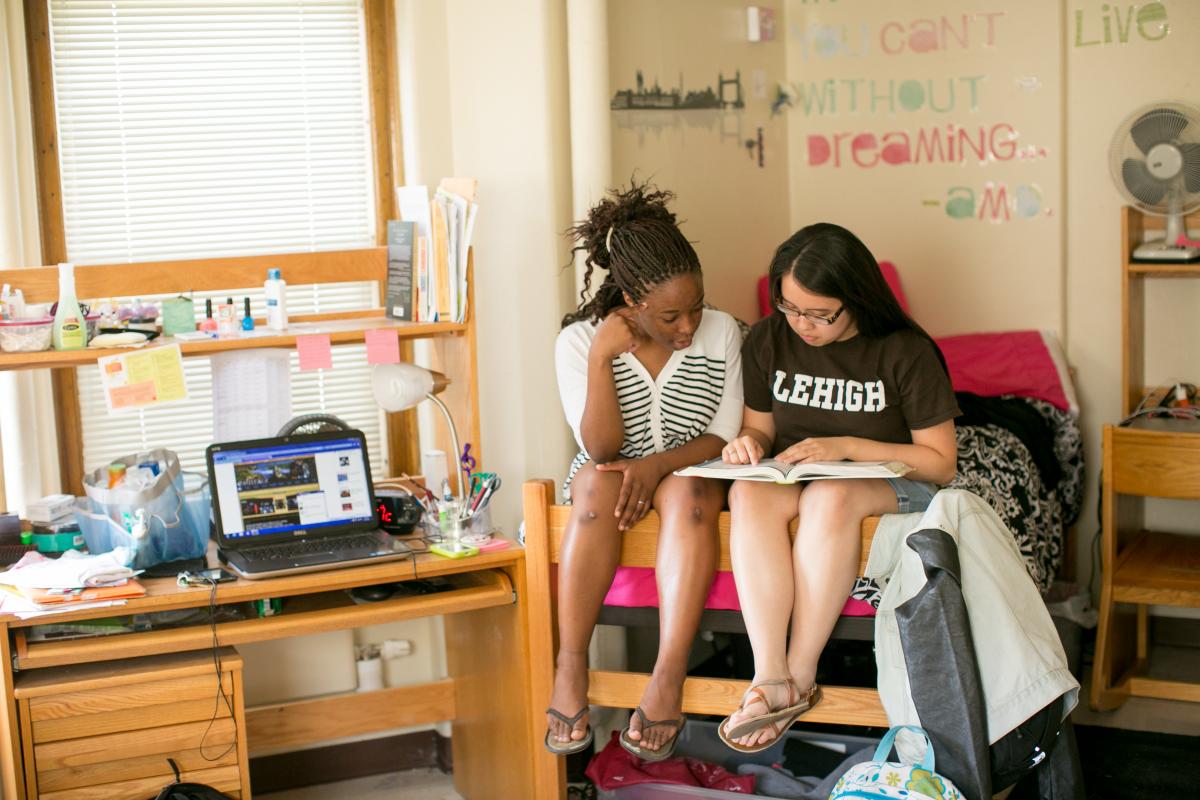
[662, 700]
[568, 697]
[778, 693]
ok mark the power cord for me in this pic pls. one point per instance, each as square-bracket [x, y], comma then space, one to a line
[212, 621]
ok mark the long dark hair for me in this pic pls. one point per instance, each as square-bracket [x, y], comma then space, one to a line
[830, 261]
[633, 236]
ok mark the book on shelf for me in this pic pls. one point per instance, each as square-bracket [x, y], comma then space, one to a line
[778, 472]
[444, 226]
[401, 240]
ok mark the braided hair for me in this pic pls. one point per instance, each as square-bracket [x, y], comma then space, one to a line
[633, 236]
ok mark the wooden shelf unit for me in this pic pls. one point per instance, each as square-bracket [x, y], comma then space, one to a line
[484, 695]
[1134, 225]
[346, 329]
[1142, 567]
[452, 345]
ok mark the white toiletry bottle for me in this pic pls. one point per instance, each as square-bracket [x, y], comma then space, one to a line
[276, 292]
[70, 328]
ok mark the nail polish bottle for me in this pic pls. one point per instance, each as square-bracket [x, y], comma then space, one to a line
[247, 320]
[208, 324]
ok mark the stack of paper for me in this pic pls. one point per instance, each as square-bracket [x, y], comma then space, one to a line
[444, 226]
[37, 585]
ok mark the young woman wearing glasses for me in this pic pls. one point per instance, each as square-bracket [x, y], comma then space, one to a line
[840, 373]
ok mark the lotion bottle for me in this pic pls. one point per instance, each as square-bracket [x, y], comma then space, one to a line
[70, 330]
[275, 289]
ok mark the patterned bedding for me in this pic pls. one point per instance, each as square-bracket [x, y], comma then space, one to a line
[996, 465]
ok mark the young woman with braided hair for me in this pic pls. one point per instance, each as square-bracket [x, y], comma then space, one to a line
[650, 382]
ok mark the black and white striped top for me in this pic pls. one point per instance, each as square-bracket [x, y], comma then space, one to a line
[698, 391]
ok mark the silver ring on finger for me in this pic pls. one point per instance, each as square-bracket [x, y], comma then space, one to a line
[641, 502]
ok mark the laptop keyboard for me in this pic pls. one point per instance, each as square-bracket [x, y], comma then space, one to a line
[338, 546]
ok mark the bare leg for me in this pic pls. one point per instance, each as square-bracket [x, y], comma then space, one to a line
[760, 551]
[685, 563]
[590, 550]
[826, 554]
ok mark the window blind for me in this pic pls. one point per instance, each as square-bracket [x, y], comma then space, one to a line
[188, 129]
[216, 128]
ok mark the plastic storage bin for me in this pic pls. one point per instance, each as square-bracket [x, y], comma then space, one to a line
[175, 509]
[699, 740]
[26, 335]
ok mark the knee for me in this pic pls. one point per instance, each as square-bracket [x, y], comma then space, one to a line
[744, 494]
[695, 502]
[594, 493]
[830, 501]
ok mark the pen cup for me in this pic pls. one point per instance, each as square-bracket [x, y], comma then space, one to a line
[477, 528]
[450, 522]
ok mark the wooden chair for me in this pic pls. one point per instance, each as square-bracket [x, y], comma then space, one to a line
[545, 524]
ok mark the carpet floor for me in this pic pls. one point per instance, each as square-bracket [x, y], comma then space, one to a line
[1128, 765]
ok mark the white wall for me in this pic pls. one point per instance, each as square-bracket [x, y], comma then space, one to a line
[508, 128]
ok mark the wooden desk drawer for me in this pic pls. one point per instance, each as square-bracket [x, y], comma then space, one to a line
[106, 730]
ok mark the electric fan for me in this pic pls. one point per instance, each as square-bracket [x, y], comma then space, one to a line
[312, 423]
[1155, 162]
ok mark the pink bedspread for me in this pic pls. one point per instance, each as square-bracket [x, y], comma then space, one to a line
[634, 586]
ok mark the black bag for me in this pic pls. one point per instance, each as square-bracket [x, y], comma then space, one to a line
[188, 791]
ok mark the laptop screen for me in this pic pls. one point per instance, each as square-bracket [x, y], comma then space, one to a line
[283, 486]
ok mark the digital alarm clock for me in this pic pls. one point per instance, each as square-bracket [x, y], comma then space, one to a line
[398, 511]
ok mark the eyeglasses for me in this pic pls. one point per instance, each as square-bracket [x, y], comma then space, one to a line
[815, 319]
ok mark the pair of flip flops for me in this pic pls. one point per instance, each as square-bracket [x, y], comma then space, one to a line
[665, 750]
[574, 745]
[776, 720]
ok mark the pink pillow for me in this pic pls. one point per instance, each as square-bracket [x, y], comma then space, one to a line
[1022, 363]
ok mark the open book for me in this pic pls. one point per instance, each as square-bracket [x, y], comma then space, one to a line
[771, 470]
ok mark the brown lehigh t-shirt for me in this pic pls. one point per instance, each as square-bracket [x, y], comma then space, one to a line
[872, 388]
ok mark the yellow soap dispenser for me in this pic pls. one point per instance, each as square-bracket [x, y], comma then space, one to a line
[70, 328]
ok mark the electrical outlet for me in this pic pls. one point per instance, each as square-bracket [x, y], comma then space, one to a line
[396, 648]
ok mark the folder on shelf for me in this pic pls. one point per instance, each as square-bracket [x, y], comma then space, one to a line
[439, 272]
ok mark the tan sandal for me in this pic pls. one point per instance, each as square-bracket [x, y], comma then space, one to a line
[637, 748]
[777, 720]
[574, 745]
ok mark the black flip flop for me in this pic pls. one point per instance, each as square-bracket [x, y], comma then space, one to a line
[573, 746]
[664, 752]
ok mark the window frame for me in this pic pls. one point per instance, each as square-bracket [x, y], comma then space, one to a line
[402, 438]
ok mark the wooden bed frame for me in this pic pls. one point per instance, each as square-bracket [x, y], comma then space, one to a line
[545, 524]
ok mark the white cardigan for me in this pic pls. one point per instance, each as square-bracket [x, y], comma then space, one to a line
[1022, 666]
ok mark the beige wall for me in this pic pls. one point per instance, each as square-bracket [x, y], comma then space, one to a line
[734, 212]
[886, 74]
[1041, 69]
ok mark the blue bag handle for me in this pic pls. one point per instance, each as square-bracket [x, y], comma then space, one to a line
[885, 745]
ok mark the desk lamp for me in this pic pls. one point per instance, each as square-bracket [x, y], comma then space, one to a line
[399, 387]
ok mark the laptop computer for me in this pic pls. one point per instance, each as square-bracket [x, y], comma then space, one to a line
[297, 503]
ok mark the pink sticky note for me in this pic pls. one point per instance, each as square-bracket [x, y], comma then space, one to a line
[315, 351]
[383, 346]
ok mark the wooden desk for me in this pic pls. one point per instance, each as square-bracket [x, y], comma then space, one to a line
[485, 696]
